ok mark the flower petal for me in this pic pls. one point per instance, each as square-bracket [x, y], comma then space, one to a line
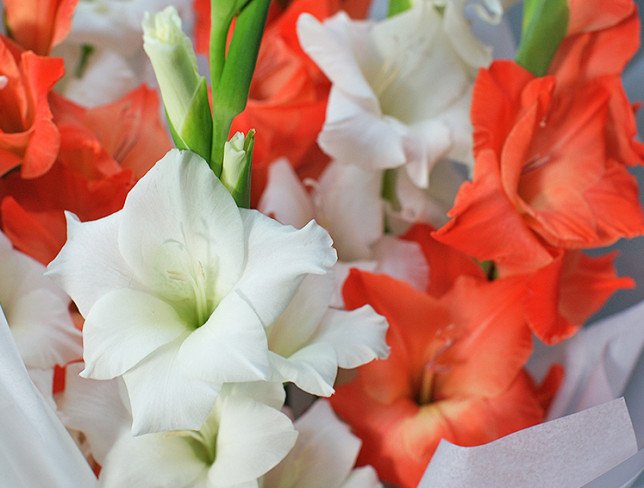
[230, 347]
[90, 246]
[285, 198]
[177, 218]
[163, 397]
[313, 369]
[277, 260]
[124, 327]
[152, 460]
[357, 336]
[252, 438]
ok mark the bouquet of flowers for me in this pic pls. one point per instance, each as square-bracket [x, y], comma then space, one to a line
[317, 243]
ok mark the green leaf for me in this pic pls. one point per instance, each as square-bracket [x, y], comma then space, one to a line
[545, 23]
[398, 6]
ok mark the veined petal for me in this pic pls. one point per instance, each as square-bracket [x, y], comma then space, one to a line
[90, 246]
[180, 225]
[163, 397]
[153, 460]
[277, 260]
[230, 347]
[252, 438]
[124, 327]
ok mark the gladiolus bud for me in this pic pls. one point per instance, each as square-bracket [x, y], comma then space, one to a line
[184, 90]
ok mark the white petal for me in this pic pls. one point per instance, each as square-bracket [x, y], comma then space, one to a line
[402, 260]
[313, 369]
[45, 333]
[180, 221]
[357, 336]
[278, 258]
[360, 136]
[163, 397]
[90, 246]
[231, 346]
[300, 320]
[266, 392]
[364, 477]
[36, 450]
[337, 47]
[153, 460]
[252, 439]
[349, 206]
[124, 327]
[43, 380]
[469, 48]
[37, 311]
[324, 453]
[285, 198]
[94, 408]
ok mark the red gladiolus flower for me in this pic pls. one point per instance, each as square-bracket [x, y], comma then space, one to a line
[98, 162]
[455, 372]
[38, 25]
[545, 177]
[28, 136]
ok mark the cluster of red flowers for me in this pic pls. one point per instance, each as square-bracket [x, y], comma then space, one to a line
[54, 154]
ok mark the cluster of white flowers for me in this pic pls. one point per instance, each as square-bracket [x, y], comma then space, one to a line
[203, 310]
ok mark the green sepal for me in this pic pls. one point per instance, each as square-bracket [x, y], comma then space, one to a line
[196, 133]
[397, 6]
[544, 26]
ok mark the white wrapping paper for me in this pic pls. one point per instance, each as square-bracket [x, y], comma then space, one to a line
[564, 453]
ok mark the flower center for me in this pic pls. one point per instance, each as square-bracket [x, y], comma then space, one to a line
[426, 392]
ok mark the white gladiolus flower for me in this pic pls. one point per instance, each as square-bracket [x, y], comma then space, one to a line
[323, 456]
[177, 287]
[38, 315]
[243, 437]
[401, 87]
[310, 340]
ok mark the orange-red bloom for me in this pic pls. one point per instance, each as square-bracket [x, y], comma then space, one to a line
[455, 372]
[556, 299]
[103, 152]
[28, 136]
[38, 25]
[546, 175]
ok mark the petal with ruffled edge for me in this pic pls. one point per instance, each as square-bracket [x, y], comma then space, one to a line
[163, 397]
[357, 337]
[277, 259]
[123, 328]
[90, 246]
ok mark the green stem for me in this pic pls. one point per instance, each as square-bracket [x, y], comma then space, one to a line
[398, 6]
